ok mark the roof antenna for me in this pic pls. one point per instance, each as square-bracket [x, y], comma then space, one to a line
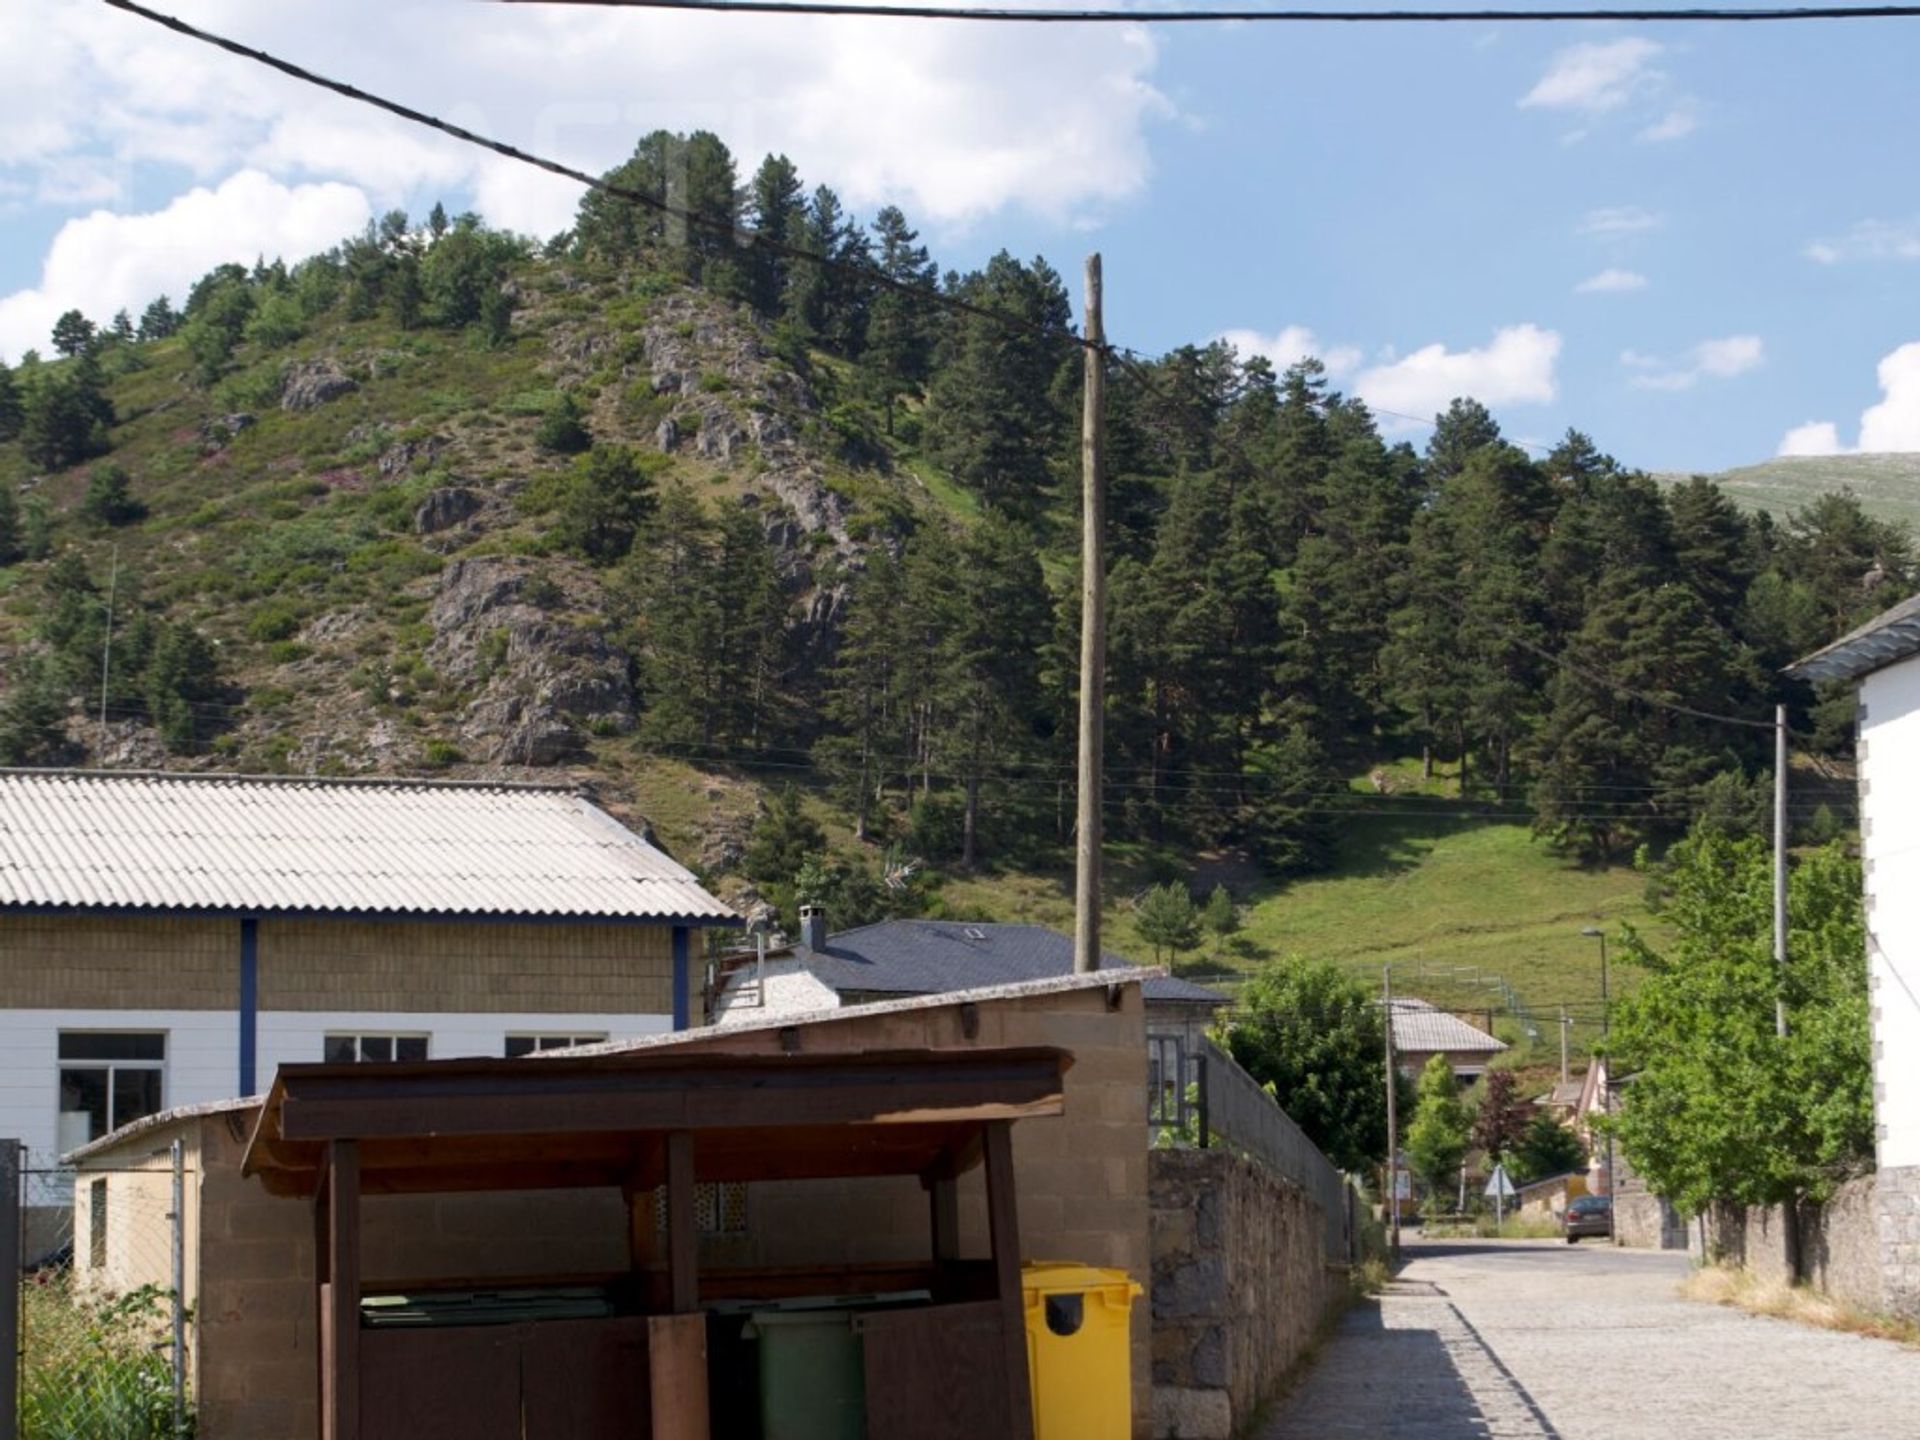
[106, 652]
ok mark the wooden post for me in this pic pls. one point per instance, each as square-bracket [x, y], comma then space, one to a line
[943, 1200]
[683, 1240]
[340, 1296]
[1093, 633]
[1003, 1228]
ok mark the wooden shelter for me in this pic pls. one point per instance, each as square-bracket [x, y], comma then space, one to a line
[643, 1122]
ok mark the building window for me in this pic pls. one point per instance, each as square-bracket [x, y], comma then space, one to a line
[352, 1049]
[518, 1045]
[107, 1079]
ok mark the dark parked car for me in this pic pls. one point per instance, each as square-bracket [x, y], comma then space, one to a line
[1588, 1215]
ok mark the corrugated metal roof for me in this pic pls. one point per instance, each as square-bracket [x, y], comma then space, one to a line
[1419, 1028]
[149, 841]
[927, 957]
[1880, 642]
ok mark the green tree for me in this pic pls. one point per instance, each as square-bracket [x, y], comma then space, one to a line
[36, 528]
[608, 499]
[1721, 1109]
[72, 333]
[67, 416]
[1310, 1032]
[1547, 1148]
[159, 319]
[777, 211]
[563, 428]
[33, 714]
[1436, 1142]
[863, 702]
[11, 547]
[109, 500]
[182, 680]
[784, 840]
[1222, 918]
[899, 329]
[10, 409]
[1168, 920]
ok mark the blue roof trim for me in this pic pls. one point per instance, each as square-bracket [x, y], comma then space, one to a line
[929, 957]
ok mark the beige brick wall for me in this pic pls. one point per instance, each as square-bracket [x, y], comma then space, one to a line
[469, 968]
[86, 962]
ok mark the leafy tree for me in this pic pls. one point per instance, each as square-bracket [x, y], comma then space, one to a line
[109, 501]
[563, 428]
[1312, 1034]
[72, 333]
[1436, 1142]
[1546, 1148]
[1168, 920]
[1221, 917]
[1501, 1120]
[1721, 1109]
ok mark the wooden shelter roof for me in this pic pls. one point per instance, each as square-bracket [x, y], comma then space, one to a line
[603, 1120]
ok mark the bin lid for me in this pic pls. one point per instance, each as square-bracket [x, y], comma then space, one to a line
[1054, 1277]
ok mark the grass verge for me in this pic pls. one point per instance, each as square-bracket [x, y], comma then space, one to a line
[1741, 1289]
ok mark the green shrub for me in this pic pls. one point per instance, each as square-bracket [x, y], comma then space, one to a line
[438, 754]
[93, 1368]
[274, 620]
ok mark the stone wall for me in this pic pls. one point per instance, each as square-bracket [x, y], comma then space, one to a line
[1862, 1247]
[1240, 1287]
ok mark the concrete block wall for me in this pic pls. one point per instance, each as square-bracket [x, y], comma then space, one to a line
[1240, 1286]
[1896, 1222]
[1862, 1247]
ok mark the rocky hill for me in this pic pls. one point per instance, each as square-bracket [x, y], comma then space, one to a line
[1888, 485]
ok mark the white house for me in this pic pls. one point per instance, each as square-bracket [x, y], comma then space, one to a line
[171, 939]
[1882, 658]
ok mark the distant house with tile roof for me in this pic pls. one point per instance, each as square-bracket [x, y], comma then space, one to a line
[1422, 1030]
[171, 939]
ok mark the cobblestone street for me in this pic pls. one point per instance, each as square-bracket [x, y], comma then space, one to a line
[1532, 1341]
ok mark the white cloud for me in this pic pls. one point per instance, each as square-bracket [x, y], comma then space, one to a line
[1293, 344]
[1676, 124]
[1871, 240]
[950, 122]
[1816, 437]
[1894, 424]
[1595, 77]
[1516, 368]
[1616, 220]
[1611, 282]
[1710, 359]
[104, 262]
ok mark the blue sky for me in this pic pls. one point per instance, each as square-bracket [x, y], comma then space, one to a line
[1698, 244]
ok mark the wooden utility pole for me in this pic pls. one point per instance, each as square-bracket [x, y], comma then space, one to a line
[1780, 870]
[1393, 1119]
[1093, 631]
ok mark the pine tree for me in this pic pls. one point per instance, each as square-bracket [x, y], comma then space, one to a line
[777, 212]
[608, 500]
[563, 428]
[159, 319]
[863, 703]
[899, 329]
[11, 414]
[1222, 919]
[72, 333]
[670, 591]
[11, 547]
[33, 714]
[109, 501]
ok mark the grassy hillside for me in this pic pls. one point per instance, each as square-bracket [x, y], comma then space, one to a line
[1888, 485]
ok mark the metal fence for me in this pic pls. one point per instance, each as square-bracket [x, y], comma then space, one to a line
[99, 1321]
[1201, 1097]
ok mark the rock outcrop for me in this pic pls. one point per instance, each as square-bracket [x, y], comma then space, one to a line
[513, 629]
[314, 382]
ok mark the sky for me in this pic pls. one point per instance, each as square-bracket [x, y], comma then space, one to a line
[1699, 245]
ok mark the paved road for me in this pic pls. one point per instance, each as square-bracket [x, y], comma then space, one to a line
[1543, 1341]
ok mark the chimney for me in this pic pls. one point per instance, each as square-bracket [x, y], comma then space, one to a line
[813, 927]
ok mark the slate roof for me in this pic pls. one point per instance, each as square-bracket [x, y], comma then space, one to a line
[1420, 1028]
[147, 841]
[930, 957]
[1875, 645]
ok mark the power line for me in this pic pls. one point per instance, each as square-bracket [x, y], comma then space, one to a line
[1642, 696]
[1719, 15]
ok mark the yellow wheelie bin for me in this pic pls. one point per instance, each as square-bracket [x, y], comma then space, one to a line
[1079, 1350]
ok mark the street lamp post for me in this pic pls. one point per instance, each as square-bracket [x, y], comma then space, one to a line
[1594, 932]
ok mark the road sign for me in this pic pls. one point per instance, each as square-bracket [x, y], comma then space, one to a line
[1499, 1187]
